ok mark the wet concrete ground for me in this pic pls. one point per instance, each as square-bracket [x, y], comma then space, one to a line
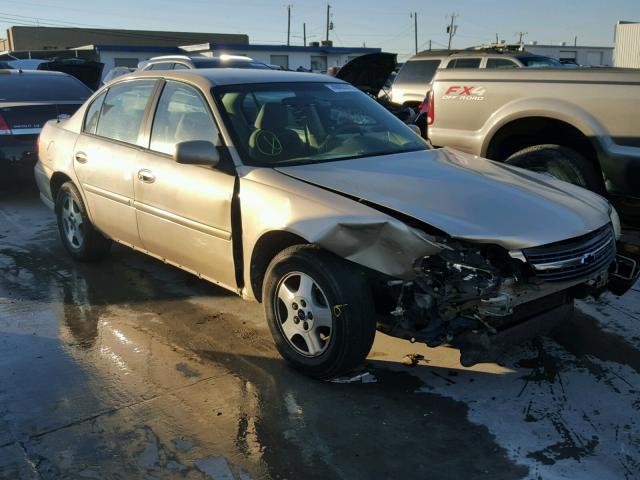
[133, 369]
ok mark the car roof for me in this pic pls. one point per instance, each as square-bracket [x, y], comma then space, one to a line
[33, 73]
[209, 77]
[471, 53]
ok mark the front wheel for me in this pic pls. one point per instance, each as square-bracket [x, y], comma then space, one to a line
[78, 235]
[320, 311]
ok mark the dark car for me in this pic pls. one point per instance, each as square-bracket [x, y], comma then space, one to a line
[28, 99]
[370, 73]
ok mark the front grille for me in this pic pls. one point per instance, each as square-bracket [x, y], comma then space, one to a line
[574, 258]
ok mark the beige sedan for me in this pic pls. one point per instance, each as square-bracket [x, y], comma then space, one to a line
[301, 192]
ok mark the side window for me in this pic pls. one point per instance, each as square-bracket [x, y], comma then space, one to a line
[93, 114]
[180, 66]
[418, 71]
[162, 66]
[123, 110]
[464, 63]
[500, 63]
[182, 115]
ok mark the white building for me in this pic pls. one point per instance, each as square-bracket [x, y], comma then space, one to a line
[627, 52]
[581, 55]
[317, 58]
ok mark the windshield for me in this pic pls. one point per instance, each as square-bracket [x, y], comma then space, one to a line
[304, 122]
[540, 62]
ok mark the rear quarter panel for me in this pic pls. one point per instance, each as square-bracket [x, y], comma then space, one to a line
[471, 105]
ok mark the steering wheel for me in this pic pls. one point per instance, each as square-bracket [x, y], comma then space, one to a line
[331, 137]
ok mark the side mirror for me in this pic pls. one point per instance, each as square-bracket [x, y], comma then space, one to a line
[197, 152]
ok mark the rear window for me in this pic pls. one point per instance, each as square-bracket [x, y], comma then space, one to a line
[540, 62]
[501, 63]
[464, 63]
[21, 87]
[418, 71]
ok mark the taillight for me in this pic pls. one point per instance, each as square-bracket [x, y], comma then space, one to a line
[423, 107]
[4, 126]
[431, 112]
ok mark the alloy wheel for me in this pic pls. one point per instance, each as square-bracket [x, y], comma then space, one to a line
[303, 313]
[72, 223]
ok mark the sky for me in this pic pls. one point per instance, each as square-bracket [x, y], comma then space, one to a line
[374, 23]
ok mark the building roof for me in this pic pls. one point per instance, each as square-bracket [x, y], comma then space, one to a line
[278, 48]
[133, 48]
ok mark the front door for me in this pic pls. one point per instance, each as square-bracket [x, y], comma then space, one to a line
[184, 211]
[105, 158]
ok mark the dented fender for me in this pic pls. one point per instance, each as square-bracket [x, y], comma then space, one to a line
[273, 202]
[389, 247]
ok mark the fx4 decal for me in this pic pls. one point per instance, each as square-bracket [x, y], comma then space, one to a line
[467, 93]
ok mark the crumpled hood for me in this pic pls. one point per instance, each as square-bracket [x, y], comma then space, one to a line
[467, 197]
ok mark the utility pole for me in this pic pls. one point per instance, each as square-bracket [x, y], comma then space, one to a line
[451, 29]
[304, 34]
[575, 41]
[497, 41]
[429, 45]
[522, 34]
[328, 20]
[415, 29]
[289, 24]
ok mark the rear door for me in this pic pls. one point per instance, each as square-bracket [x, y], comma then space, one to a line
[105, 156]
[184, 211]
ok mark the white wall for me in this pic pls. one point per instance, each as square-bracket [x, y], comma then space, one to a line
[108, 57]
[296, 59]
[627, 53]
[590, 56]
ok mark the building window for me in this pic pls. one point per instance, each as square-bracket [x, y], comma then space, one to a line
[125, 62]
[280, 60]
[568, 56]
[319, 63]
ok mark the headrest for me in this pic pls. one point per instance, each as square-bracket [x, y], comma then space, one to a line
[272, 116]
[194, 126]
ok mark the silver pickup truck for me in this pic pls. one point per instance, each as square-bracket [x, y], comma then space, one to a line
[579, 125]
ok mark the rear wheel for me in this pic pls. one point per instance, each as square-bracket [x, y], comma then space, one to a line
[77, 233]
[319, 310]
[560, 162]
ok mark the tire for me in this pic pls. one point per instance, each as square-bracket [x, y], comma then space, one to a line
[339, 296]
[78, 235]
[560, 162]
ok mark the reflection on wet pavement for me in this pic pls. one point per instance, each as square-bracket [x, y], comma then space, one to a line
[132, 369]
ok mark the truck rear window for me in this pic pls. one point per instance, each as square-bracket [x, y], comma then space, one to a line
[418, 71]
[28, 87]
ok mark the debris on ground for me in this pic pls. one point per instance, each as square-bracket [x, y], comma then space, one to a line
[362, 377]
[412, 359]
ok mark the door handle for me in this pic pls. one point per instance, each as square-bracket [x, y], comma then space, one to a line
[146, 176]
[81, 157]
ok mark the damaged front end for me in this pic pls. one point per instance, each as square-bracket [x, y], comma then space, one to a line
[482, 299]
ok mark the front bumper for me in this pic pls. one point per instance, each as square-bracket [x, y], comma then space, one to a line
[481, 347]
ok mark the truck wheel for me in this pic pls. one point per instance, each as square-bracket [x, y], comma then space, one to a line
[560, 162]
[320, 311]
[78, 234]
